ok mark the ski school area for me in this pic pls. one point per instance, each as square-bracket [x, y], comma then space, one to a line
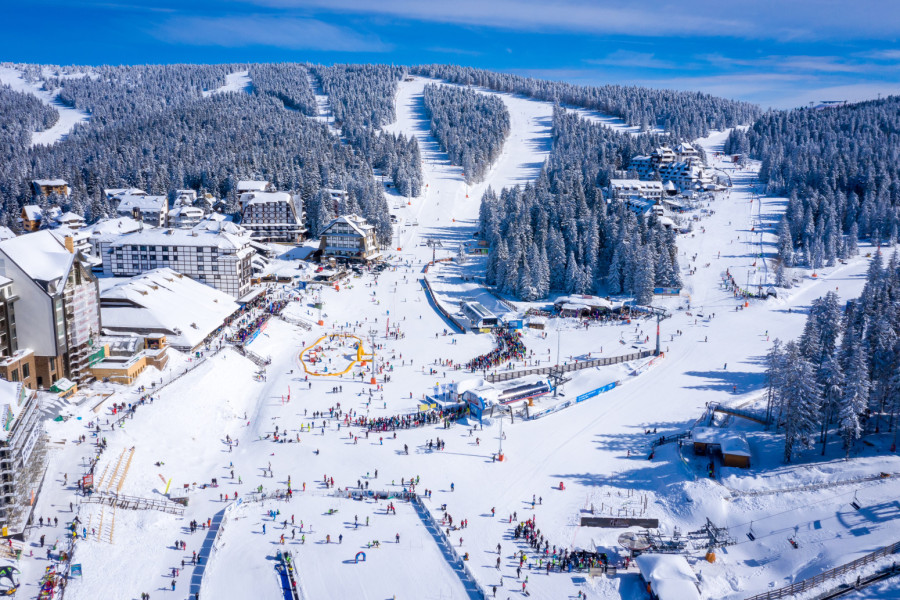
[382, 453]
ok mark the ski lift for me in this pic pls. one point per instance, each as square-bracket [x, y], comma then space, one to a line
[794, 543]
[855, 502]
[750, 533]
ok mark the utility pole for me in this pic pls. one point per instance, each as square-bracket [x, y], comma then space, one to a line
[500, 451]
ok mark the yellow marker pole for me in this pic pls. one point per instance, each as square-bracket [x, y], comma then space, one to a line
[167, 486]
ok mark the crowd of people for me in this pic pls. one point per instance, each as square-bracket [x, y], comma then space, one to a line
[551, 558]
[248, 330]
[509, 347]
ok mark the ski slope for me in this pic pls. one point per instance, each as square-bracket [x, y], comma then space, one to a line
[239, 81]
[597, 448]
[68, 116]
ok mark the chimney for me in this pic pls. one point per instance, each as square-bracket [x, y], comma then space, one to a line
[70, 244]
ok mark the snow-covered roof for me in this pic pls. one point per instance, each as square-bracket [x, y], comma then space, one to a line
[730, 442]
[584, 300]
[201, 235]
[165, 300]
[357, 223]
[41, 255]
[32, 212]
[187, 210]
[252, 185]
[249, 198]
[117, 226]
[634, 184]
[669, 575]
[115, 192]
[6, 233]
[51, 182]
[128, 202]
[70, 217]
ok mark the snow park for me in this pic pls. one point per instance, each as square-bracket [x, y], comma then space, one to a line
[544, 371]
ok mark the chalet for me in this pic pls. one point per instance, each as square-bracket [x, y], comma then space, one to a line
[32, 217]
[272, 216]
[46, 187]
[350, 238]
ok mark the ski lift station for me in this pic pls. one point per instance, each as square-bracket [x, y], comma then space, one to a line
[733, 446]
[668, 577]
[481, 318]
[482, 397]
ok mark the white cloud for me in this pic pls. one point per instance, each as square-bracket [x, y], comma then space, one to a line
[775, 90]
[760, 19]
[266, 30]
[640, 60]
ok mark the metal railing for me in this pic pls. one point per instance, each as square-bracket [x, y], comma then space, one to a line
[566, 368]
[816, 580]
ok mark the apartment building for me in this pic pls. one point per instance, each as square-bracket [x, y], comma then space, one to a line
[215, 253]
[56, 306]
[272, 217]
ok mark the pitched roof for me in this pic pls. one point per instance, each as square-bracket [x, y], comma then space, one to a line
[32, 212]
[357, 223]
[165, 300]
[128, 202]
[40, 255]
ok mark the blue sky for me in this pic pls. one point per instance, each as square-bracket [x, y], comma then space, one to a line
[777, 53]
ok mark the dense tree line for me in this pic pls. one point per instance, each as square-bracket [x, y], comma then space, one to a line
[685, 115]
[20, 114]
[843, 374]
[559, 234]
[152, 128]
[289, 82]
[840, 167]
[470, 127]
[362, 100]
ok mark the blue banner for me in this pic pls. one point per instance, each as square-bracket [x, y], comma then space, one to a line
[595, 392]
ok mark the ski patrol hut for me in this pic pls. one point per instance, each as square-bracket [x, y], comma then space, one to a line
[731, 445]
[668, 577]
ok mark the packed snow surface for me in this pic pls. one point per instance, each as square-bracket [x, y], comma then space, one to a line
[238, 81]
[714, 348]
